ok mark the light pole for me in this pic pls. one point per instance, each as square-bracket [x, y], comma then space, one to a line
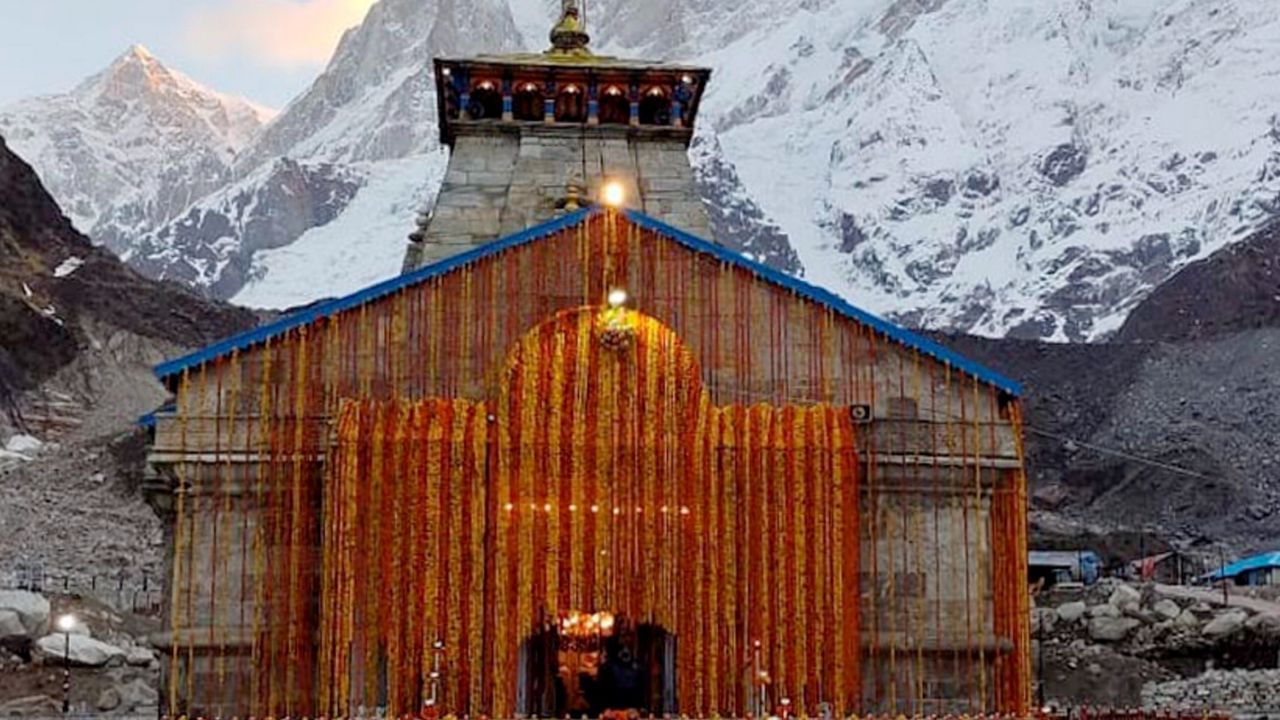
[66, 623]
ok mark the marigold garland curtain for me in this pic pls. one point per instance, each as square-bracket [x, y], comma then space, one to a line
[602, 478]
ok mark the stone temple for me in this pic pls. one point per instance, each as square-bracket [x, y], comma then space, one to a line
[529, 132]
[576, 458]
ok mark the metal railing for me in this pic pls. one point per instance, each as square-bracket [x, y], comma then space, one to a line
[137, 591]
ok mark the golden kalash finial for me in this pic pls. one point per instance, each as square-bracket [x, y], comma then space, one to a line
[568, 36]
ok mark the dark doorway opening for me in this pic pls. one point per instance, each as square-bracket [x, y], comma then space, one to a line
[634, 668]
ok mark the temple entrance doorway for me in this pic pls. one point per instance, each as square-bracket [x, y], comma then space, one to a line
[587, 664]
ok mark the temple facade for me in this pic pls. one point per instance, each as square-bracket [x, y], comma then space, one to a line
[577, 458]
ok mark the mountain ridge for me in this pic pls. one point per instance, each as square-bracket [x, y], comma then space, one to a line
[1039, 188]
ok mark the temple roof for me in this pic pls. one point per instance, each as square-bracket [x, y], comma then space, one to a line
[826, 298]
[600, 62]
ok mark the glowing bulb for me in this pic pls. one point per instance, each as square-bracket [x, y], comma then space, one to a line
[687, 79]
[684, 510]
[510, 507]
[614, 194]
[573, 508]
[617, 298]
[595, 508]
[66, 623]
[617, 511]
[446, 72]
[546, 508]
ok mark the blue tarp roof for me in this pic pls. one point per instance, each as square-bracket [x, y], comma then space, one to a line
[1257, 562]
[824, 297]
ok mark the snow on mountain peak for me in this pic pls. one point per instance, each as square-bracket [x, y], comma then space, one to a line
[1024, 167]
[131, 147]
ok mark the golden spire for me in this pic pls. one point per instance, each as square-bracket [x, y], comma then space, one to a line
[569, 37]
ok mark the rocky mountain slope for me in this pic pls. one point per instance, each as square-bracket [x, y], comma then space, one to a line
[1236, 289]
[81, 331]
[131, 147]
[1168, 434]
[1039, 187]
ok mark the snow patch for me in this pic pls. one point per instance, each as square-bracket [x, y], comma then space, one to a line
[364, 245]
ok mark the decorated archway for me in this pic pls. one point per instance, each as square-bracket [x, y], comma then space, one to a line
[599, 478]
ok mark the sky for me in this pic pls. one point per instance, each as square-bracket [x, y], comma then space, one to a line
[265, 50]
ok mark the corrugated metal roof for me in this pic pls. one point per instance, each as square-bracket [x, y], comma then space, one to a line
[823, 297]
[1058, 558]
[1257, 562]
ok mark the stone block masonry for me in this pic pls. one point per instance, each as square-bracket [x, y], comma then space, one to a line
[503, 180]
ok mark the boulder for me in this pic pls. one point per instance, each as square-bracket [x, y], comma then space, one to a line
[137, 693]
[1266, 627]
[1108, 610]
[1072, 611]
[31, 608]
[1225, 623]
[41, 706]
[11, 627]
[1167, 609]
[1125, 596]
[84, 650]
[1111, 629]
[108, 700]
[139, 656]
[1188, 619]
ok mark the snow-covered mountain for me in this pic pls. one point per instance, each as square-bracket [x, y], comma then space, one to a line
[132, 147]
[1023, 167]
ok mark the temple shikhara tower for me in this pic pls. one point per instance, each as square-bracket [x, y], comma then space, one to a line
[578, 458]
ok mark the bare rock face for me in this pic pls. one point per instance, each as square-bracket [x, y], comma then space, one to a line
[1232, 290]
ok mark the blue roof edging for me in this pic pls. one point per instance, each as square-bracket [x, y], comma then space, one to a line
[831, 300]
[388, 287]
[1255, 562]
[374, 292]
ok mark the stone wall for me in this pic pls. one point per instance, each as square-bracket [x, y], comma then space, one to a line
[510, 178]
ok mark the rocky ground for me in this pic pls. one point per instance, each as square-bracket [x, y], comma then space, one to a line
[1125, 645]
[80, 334]
[114, 670]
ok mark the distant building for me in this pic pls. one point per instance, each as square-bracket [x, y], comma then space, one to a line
[1059, 566]
[1254, 571]
[1169, 568]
